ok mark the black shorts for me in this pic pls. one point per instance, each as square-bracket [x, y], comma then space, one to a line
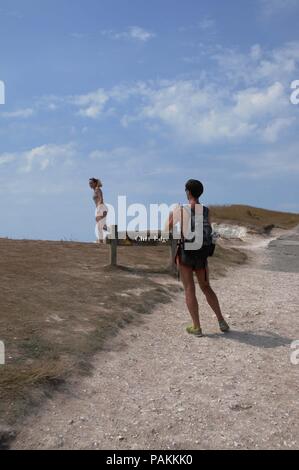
[191, 258]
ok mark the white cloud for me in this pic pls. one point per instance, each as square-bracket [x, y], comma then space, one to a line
[206, 24]
[269, 163]
[46, 155]
[198, 114]
[256, 52]
[77, 35]
[42, 156]
[126, 158]
[274, 129]
[119, 153]
[272, 7]
[92, 104]
[6, 158]
[246, 94]
[133, 32]
[145, 161]
[254, 102]
[19, 113]
[260, 64]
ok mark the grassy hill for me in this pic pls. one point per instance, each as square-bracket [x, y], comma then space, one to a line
[253, 217]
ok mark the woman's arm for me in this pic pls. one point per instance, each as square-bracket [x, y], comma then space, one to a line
[169, 223]
[173, 218]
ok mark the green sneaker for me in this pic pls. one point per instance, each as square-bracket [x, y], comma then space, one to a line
[224, 327]
[194, 331]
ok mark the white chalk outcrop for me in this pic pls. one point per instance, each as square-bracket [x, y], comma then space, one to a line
[229, 231]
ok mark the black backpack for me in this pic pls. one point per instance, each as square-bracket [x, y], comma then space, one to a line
[208, 242]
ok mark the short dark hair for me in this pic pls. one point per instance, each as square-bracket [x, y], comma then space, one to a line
[195, 188]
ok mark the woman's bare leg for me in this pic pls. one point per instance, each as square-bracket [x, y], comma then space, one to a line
[186, 275]
[100, 233]
[211, 297]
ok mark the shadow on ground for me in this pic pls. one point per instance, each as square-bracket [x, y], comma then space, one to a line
[263, 339]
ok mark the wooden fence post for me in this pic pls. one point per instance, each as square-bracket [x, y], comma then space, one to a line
[113, 245]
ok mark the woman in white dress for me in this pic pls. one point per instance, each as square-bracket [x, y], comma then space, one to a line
[101, 209]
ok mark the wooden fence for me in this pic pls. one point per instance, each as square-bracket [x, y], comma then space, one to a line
[144, 239]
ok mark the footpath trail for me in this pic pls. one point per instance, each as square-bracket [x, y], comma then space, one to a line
[155, 387]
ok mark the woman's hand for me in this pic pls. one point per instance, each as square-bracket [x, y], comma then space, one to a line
[101, 217]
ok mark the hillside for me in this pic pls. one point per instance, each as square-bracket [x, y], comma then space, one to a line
[253, 217]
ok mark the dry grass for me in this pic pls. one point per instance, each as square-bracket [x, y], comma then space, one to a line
[253, 217]
[59, 303]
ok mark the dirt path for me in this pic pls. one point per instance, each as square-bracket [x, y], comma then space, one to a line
[156, 387]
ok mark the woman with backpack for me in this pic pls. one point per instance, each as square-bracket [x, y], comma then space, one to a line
[191, 258]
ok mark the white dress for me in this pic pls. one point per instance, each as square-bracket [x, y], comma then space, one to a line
[101, 208]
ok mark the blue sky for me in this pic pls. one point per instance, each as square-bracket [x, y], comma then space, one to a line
[144, 95]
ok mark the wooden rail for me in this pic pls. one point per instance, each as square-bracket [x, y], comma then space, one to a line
[144, 239]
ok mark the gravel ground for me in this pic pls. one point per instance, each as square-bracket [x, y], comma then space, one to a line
[155, 387]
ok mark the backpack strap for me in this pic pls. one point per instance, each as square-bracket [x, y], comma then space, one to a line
[182, 221]
[181, 226]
